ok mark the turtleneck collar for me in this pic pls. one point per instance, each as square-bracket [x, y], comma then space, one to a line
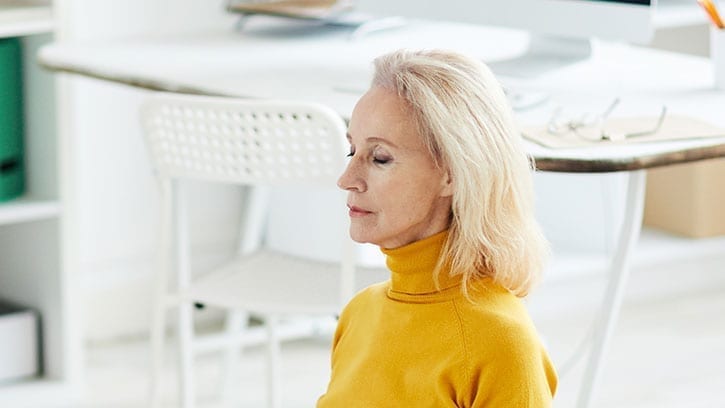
[412, 267]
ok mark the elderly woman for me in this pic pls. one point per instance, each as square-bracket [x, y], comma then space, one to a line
[439, 179]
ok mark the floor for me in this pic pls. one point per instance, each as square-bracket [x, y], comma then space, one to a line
[668, 350]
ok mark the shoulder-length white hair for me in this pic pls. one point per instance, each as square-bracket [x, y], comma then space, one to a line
[464, 118]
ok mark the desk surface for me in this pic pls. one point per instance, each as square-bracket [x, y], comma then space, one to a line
[323, 64]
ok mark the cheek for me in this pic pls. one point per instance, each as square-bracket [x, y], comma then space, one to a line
[422, 190]
[407, 201]
[404, 196]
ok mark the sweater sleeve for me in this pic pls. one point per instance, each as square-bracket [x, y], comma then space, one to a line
[342, 323]
[352, 308]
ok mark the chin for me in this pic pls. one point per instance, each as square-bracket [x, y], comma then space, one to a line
[360, 237]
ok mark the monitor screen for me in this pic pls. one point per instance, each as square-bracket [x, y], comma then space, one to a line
[560, 29]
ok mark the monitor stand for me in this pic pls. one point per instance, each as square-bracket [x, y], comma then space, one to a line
[544, 54]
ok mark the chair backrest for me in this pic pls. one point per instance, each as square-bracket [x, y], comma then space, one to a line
[249, 142]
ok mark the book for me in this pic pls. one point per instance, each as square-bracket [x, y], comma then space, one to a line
[302, 9]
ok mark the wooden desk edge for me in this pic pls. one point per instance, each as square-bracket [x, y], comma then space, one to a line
[688, 155]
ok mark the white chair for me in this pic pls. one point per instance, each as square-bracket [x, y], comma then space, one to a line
[267, 146]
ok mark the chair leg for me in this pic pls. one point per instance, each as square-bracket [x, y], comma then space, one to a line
[186, 355]
[156, 338]
[273, 361]
[158, 317]
[236, 320]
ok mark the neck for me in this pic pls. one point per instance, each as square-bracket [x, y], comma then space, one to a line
[413, 266]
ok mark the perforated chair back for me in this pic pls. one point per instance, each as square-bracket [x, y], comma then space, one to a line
[248, 142]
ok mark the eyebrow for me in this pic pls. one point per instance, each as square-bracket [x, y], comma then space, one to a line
[373, 139]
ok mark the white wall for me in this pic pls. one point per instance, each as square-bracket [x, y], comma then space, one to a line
[580, 212]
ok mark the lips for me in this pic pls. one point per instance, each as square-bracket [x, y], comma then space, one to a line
[357, 211]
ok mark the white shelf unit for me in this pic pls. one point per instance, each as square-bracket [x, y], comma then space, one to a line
[31, 267]
[27, 209]
[21, 18]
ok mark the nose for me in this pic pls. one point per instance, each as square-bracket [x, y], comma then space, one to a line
[352, 178]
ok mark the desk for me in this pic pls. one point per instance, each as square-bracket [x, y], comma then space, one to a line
[325, 66]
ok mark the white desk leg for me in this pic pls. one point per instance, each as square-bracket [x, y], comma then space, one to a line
[619, 272]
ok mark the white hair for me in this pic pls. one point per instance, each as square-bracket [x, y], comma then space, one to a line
[465, 120]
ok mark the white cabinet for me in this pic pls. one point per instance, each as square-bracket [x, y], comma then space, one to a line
[25, 17]
[31, 260]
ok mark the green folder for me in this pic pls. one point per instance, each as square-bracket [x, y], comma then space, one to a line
[12, 177]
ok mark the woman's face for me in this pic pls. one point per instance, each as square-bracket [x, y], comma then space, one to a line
[396, 194]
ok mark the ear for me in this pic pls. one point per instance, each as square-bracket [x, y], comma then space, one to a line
[447, 184]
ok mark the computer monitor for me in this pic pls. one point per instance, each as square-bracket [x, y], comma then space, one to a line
[559, 29]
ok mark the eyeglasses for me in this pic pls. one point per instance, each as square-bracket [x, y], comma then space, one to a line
[591, 127]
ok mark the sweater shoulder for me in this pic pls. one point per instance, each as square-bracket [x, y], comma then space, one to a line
[493, 315]
[362, 299]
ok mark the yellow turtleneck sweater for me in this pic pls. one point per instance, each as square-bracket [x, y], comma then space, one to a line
[403, 343]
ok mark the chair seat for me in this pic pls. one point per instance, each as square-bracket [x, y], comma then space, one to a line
[262, 283]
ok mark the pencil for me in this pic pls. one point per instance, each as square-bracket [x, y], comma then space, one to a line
[712, 12]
